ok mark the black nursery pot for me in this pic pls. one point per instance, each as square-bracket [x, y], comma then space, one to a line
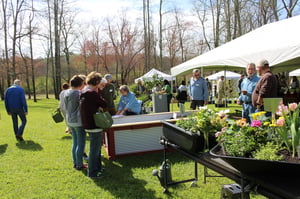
[188, 141]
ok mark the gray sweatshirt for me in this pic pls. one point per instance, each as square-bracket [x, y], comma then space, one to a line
[72, 105]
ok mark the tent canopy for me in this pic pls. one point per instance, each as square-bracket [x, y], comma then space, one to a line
[227, 74]
[149, 76]
[277, 42]
[295, 73]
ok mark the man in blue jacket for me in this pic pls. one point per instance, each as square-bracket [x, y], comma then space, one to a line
[247, 88]
[15, 104]
[198, 90]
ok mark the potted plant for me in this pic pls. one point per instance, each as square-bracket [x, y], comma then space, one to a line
[266, 146]
[197, 132]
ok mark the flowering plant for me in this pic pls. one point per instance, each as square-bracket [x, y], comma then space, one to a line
[263, 135]
[289, 126]
[205, 122]
[241, 138]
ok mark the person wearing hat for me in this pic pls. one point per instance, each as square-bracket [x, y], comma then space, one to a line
[109, 95]
[266, 87]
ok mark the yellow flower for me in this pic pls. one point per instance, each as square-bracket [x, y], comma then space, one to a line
[273, 124]
[266, 123]
[242, 122]
[261, 113]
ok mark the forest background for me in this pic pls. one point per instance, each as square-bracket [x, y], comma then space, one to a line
[45, 42]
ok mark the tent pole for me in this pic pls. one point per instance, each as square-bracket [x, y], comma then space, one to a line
[225, 87]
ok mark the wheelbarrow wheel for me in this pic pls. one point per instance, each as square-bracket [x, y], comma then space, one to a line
[193, 184]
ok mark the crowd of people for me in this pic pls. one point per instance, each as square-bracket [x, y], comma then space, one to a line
[81, 101]
[84, 95]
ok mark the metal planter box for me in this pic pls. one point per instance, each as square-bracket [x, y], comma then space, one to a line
[188, 141]
[251, 166]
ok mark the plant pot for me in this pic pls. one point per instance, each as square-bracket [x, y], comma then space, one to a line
[187, 140]
[251, 166]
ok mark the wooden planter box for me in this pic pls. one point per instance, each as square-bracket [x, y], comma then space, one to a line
[138, 134]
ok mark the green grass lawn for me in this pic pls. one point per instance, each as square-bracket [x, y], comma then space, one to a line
[41, 167]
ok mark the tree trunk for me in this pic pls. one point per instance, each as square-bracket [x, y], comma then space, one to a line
[5, 31]
[18, 8]
[57, 49]
[32, 64]
[47, 75]
[160, 36]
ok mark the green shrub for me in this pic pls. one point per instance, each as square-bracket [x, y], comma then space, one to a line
[268, 152]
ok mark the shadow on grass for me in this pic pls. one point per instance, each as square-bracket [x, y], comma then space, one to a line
[29, 145]
[3, 148]
[121, 183]
[67, 137]
[122, 180]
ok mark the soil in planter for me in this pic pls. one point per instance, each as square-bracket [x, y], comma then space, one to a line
[287, 157]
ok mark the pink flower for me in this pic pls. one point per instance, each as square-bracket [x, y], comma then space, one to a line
[224, 129]
[293, 106]
[256, 123]
[282, 109]
[280, 121]
[217, 134]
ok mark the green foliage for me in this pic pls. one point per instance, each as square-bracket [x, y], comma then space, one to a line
[189, 124]
[268, 152]
[238, 141]
[242, 139]
[157, 81]
[41, 167]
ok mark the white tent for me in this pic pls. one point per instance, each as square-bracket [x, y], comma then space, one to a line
[228, 74]
[149, 76]
[278, 42]
[295, 73]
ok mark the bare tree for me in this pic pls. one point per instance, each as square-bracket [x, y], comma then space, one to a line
[16, 8]
[50, 53]
[147, 33]
[57, 10]
[31, 30]
[172, 43]
[289, 7]
[126, 41]
[5, 32]
[160, 34]
[201, 8]
[68, 20]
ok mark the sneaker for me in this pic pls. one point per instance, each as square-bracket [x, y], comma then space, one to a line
[85, 156]
[83, 167]
[99, 175]
[19, 138]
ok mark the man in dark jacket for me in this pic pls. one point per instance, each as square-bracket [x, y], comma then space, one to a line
[15, 104]
[267, 86]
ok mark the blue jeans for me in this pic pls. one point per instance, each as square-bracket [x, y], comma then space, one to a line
[95, 154]
[78, 135]
[248, 109]
[14, 115]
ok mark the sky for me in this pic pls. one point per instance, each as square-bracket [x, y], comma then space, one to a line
[102, 8]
